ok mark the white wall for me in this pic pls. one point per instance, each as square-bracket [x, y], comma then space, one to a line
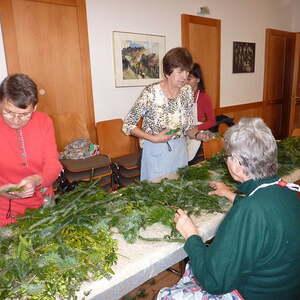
[295, 16]
[243, 20]
[3, 68]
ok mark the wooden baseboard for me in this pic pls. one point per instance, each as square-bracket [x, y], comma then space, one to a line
[237, 112]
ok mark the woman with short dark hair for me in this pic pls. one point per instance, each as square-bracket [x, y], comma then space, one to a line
[29, 160]
[166, 109]
[256, 251]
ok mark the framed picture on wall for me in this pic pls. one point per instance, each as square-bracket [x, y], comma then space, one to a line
[243, 57]
[137, 58]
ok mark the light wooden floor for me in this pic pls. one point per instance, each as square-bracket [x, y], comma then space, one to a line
[150, 288]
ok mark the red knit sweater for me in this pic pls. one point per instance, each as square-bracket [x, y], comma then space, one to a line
[31, 150]
[206, 113]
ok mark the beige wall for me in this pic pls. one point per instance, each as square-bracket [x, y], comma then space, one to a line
[3, 70]
[243, 20]
[295, 26]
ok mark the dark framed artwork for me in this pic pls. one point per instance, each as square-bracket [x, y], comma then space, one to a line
[243, 57]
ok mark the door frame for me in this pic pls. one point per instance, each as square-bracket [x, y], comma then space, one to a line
[185, 40]
[285, 100]
[295, 99]
[12, 60]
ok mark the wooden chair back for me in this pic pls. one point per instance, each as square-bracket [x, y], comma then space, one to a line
[212, 147]
[112, 140]
[296, 132]
[68, 127]
[222, 128]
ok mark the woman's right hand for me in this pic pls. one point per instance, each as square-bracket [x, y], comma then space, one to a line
[161, 137]
[184, 224]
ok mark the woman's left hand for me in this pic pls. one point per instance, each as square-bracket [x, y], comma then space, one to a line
[222, 190]
[184, 224]
[28, 185]
[204, 136]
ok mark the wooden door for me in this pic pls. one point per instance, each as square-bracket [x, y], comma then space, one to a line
[294, 121]
[279, 60]
[48, 41]
[202, 36]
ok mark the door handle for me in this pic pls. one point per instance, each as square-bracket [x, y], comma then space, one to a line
[42, 92]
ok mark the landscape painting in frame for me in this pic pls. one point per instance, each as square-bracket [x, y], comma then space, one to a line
[243, 57]
[137, 58]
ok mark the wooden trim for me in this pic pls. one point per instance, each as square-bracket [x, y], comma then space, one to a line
[271, 32]
[280, 32]
[9, 37]
[185, 41]
[238, 107]
[60, 2]
[86, 66]
[295, 80]
[267, 43]
[201, 20]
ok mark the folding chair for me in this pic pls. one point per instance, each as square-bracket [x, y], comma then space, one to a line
[122, 149]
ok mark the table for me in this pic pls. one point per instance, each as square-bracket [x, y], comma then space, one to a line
[143, 260]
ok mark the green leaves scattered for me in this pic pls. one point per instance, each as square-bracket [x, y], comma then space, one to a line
[288, 155]
[14, 189]
[50, 252]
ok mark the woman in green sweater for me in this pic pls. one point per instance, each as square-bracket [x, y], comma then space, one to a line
[256, 252]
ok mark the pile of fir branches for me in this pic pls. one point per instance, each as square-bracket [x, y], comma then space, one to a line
[51, 251]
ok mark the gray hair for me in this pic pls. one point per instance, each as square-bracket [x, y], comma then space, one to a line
[253, 144]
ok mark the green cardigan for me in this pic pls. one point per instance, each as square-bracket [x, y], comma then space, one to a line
[257, 247]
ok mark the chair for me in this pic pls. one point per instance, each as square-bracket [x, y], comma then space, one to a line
[296, 132]
[222, 128]
[72, 126]
[122, 149]
[68, 127]
[213, 147]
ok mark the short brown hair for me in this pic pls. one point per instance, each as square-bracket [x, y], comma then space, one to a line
[177, 58]
[20, 90]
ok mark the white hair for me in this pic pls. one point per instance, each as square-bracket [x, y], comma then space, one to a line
[253, 143]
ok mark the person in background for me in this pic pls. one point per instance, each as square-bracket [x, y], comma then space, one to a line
[255, 254]
[166, 109]
[29, 159]
[203, 112]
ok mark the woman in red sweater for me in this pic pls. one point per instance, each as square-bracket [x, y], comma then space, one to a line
[29, 159]
[204, 116]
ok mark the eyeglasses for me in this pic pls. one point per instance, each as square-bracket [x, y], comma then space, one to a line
[226, 156]
[12, 115]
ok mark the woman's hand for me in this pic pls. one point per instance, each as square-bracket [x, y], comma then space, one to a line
[28, 186]
[162, 137]
[184, 224]
[204, 136]
[200, 135]
[222, 190]
[8, 191]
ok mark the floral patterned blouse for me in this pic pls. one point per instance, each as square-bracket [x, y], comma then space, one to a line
[159, 112]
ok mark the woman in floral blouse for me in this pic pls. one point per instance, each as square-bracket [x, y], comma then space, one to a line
[165, 106]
